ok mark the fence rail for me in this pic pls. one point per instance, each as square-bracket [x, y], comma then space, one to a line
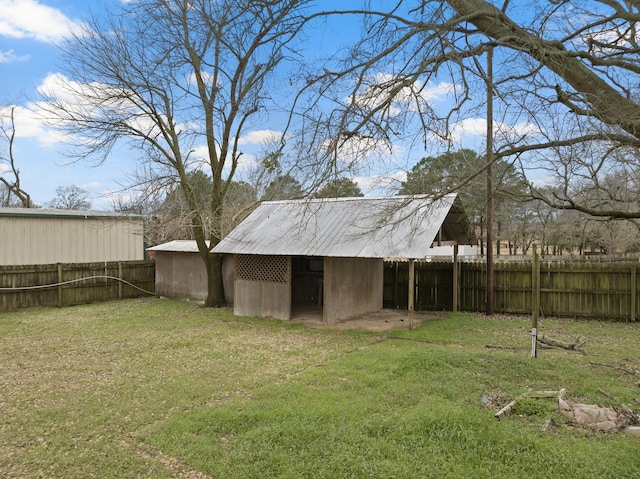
[576, 289]
[70, 284]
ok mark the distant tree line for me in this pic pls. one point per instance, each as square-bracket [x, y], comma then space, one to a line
[521, 220]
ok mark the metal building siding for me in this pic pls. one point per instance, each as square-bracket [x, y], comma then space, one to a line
[38, 238]
[399, 227]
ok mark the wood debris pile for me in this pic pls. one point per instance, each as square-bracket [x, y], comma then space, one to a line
[589, 416]
[548, 343]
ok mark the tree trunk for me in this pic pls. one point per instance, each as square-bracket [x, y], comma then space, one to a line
[215, 285]
[213, 265]
[481, 236]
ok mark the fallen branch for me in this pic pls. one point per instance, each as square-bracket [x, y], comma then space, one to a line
[529, 394]
[624, 369]
[554, 343]
[605, 393]
[507, 409]
[544, 394]
[508, 348]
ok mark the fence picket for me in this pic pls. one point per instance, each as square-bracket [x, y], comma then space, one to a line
[577, 289]
[70, 284]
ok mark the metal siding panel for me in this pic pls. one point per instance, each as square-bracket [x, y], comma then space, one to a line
[74, 249]
[51, 247]
[111, 244]
[136, 239]
[41, 239]
[85, 236]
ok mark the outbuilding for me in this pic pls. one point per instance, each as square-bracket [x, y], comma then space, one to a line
[181, 274]
[328, 254]
[46, 236]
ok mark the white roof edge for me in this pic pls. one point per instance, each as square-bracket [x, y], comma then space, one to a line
[177, 246]
[60, 213]
[358, 198]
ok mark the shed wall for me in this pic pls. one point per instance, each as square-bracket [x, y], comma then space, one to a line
[262, 286]
[352, 286]
[182, 275]
[42, 240]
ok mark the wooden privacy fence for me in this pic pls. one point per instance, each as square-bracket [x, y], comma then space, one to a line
[70, 284]
[577, 289]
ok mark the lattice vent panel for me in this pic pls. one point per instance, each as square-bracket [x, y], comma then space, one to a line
[265, 269]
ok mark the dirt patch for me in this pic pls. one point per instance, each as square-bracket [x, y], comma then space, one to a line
[379, 321]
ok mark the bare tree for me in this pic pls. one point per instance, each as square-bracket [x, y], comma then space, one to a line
[70, 198]
[10, 178]
[566, 81]
[181, 80]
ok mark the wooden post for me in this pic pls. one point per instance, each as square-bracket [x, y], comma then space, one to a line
[396, 294]
[60, 303]
[412, 290]
[489, 206]
[535, 300]
[120, 277]
[456, 286]
[632, 310]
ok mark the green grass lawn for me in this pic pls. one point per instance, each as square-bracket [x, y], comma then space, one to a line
[154, 388]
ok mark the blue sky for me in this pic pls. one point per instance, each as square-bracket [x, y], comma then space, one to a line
[30, 31]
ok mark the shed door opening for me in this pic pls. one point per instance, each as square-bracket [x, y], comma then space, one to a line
[307, 283]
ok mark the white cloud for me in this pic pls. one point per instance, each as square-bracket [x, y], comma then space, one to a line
[259, 137]
[30, 19]
[362, 152]
[407, 95]
[9, 56]
[478, 127]
[199, 160]
[64, 90]
[86, 100]
[91, 185]
[29, 124]
[469, 126]
[35, 119]
[381, 185]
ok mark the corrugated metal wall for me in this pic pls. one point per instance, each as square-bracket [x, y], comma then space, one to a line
[45, 240]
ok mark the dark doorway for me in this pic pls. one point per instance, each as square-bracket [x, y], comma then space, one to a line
[307, 291]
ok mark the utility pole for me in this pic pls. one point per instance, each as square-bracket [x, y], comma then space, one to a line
[489, 305]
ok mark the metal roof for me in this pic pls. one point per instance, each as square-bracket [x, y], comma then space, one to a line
[57, 213]
[177, 246]
[393, 227]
